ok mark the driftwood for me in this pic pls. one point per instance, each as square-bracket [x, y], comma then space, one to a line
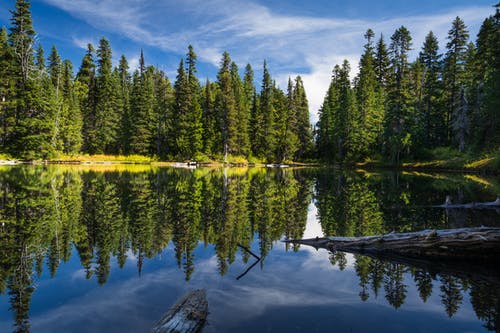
[188, 315]
[481, 243]
[472, 205]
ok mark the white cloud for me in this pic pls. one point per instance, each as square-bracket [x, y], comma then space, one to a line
[83, 42]
[305, 45]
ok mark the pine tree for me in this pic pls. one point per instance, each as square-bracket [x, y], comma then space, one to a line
[264, 136]
[399, 109]
[34, 98]
[454, 71]
[85, 88]
[22, 39]
[55, 68]
[302, 122]
[162, 113]
[485, 119]
[370, 103]
[211, 128]
[125, 87]
[431, 110]
[382, 63]
[326, 124]
[141, 110]
[55, 74]
[227, 108]
[286, 138]
[71, 127]
[7, 91]
[107, 108]
[182, 117]
[242, 112]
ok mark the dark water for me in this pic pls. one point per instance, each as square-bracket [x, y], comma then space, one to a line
[110, 249]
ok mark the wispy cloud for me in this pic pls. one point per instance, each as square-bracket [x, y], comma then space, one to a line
[305, 45]
[82, 42]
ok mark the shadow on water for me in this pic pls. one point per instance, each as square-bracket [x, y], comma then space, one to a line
[49, 214]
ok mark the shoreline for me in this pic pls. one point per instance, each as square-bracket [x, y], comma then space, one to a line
[374, 165]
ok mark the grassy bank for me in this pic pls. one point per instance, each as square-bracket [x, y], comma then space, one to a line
[445, 159]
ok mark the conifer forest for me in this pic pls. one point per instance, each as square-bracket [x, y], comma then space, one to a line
[225, 149]
[395, 108]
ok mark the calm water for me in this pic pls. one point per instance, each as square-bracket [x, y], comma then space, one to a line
[109, 249]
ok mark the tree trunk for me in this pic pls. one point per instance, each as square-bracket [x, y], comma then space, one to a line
[481, 243]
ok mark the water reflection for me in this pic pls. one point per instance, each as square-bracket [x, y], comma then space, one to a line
[50, 213]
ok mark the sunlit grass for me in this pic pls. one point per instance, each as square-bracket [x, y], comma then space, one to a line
[479, 180]
[101, 158]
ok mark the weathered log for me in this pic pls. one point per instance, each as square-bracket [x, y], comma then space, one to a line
[481, 243]
[188, 315]
[472, 205]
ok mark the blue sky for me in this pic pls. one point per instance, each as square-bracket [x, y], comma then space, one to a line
[296, 37]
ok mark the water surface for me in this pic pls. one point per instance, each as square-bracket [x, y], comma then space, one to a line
[110, 249]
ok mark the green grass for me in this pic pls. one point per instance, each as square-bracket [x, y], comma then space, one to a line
[85, 158]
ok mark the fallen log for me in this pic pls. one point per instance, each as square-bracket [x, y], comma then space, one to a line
[472, 205]
[187, 315]
[481, 243]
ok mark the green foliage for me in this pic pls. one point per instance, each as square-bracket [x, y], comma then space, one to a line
[393, 108]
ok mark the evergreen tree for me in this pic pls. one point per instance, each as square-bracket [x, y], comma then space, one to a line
[431, 110]
[85, 88]
[195, 112]
[285, 122]
[107, 107]
[302, 122]
[399, 108]
[485, 120]
[227, 108]
[71, 126]
[264, 118]
[370, 103]
[141, 110]
[242, 112]
[211, 128]
[34, 99]
[454, 71]
[162, 113]
[125, 87]
[55, 70]
[22, 39]
[182, 115]
[382, 63]
[7, 91]
[327, 120]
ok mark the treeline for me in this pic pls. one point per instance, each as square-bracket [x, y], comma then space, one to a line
[392, 110]
[398, 109]
[46, 111]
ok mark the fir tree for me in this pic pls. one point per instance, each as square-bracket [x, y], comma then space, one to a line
[265, 138]
[125, 87]
[399, 109]
[431, 109]
[370, 103]
[85, 88]
[302, 124]
[242, 112]
[71, 132]
[454, 70]
[141, 110]
[107, 107]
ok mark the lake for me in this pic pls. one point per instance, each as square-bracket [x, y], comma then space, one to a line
[110, 248]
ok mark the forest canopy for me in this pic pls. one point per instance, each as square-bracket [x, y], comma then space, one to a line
[393, 109]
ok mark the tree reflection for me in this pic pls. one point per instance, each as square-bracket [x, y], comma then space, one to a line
[105, 215]
[46, 212]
